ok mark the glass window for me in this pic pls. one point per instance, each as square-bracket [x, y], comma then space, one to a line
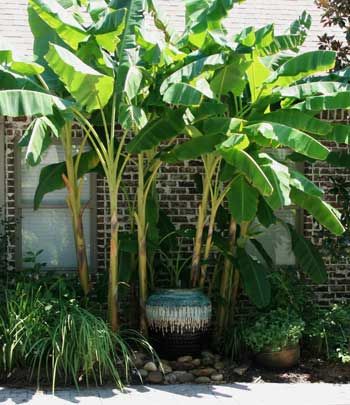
[50, 228]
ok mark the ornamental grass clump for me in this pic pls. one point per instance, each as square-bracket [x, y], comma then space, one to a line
[274, 331]
[62, 342]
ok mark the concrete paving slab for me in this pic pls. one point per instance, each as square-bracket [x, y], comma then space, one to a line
[230, 394]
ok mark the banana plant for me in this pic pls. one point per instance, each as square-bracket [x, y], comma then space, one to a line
[73, 82]
[240, 101]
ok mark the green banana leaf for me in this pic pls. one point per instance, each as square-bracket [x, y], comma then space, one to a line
[242, 200]
[28, 103]
[325, 214]
[37, 138]
[335, 101]
[184, 94]
[301, 66]
[291, 137]
[245, 164]
[255, 281]
[193, 70]
[51, 176]
[156, 131]
[308, 257]
[279, 176]
[89, 87]
[60, 20]
[193, 148]
[300, 182]
[133, 20]
[108, 29]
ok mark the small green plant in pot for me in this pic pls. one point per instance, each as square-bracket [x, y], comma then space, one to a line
[274, 338]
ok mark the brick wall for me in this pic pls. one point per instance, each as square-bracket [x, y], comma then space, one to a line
[176, 187]
[338, 287]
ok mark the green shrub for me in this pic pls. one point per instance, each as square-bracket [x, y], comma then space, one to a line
[330, 329]
[59, 340]
[274, 330]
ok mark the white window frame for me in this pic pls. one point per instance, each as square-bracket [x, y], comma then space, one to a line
[91, 205]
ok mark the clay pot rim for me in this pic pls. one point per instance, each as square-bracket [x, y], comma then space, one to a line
[266, 350]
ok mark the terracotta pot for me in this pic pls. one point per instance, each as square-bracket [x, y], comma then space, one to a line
[178, 321]
[283, 359]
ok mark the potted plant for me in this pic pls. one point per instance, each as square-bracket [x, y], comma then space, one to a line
[178, 318]
[274, 338]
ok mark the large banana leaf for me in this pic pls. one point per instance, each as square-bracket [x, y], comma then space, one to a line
[37, 139]
[193, 148]
[61, 20]
[51, 176]
[279, 176]
[246, 165]
[242, 200]
[297, 119]
[156, 131]
[17, 103]
[254, 276]
[231, 77]
[301, 183]
[203, 16]
[193, 70]
[325, 214]
[335, 101]
[293, 138]
[308, 257]
[184, 94]
[301, 91]
[89, 87]
[221, 125]
[11, 81]
[301, 66]
[108, 29]
[265, 214]
[133, 20]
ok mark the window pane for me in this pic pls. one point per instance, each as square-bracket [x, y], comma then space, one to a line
[30, 177]
[51, 230]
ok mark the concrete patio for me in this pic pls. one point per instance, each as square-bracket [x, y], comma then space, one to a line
[233, 394]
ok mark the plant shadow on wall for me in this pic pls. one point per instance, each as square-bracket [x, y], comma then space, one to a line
[234, 103]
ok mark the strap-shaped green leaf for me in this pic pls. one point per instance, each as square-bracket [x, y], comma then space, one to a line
[308, 257]
[193, 70]
[291, 137]
[89, 87]
[61, 20]
[37, 139]
[299, 120]
[302, 183]
[193, 148]
[156, 131]
[183, 94]
[255, 282]
[279, 176]
[245, 164]
[301, 66]
[324, 213]
[242, 200]
[19, 103]
[108, 29]
[51, 176]
[335, 101]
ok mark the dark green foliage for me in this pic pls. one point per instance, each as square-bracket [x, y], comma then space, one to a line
[274, 330]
